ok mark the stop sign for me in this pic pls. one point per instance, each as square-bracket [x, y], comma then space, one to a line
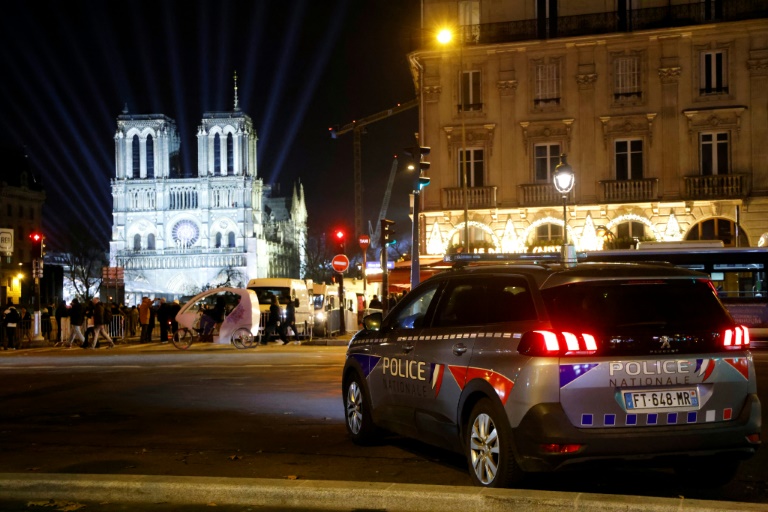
[364, 241]
[340, 263]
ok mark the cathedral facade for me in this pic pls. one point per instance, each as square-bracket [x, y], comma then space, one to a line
[175, 234]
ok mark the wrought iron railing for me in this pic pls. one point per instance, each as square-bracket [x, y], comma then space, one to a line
[670, 16]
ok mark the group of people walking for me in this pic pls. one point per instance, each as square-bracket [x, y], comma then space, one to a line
[101, 314]
[85, 324]
[276, 325]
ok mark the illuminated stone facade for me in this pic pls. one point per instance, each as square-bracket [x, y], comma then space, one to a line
[662, 111]
[176, 234]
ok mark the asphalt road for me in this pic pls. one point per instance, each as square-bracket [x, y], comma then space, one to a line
[272, 412]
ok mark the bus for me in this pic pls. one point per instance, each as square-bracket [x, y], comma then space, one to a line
[738, 273]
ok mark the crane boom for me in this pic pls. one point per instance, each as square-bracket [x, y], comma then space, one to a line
[385, 203]
[356, 127]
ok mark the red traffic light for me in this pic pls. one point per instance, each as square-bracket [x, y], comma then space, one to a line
[35, 237]
[339, 235]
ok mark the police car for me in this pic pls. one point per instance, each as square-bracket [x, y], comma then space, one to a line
[533, 367]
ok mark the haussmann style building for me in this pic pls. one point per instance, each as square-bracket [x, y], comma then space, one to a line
[661, 107]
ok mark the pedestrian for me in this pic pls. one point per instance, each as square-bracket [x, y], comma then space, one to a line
[134, 318]
[144, 309]
[376, 303]
[12, 323]
[163, 317]
[152, 318]
[26, 326]
[289, 326]
[211, 318]
[173, 311]
[102, 316]
[60, 314]
[273, 322]
[2, 326]
[45, 323]
[76, 317]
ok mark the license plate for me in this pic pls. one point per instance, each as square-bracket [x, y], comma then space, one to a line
[661, 399]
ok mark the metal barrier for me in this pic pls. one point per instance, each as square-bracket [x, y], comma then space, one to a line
[116, 327]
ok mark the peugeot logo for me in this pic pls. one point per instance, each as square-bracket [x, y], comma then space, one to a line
[665, 342]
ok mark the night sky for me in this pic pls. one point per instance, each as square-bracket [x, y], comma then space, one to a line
[70, 67]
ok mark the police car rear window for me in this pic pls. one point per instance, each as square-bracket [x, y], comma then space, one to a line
[621, 305]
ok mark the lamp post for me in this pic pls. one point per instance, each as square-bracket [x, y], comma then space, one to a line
[564, 180]
[444, 37]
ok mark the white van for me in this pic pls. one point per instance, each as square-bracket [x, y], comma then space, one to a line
[285, 289]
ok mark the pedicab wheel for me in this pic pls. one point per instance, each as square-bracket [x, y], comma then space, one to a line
[182, 339]
[242, 338]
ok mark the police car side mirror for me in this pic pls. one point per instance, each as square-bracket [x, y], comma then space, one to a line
[372, 322]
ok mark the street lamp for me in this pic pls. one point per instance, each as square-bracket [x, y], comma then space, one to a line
[564, 180]
[444, 37]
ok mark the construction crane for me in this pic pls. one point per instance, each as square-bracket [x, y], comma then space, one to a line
[375, 234]
[356, 127]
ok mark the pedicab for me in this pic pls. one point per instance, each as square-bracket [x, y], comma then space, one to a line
[236, 318]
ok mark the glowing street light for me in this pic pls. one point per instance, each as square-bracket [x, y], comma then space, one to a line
[564, 179]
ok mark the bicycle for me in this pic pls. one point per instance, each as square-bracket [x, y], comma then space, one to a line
[241, 338]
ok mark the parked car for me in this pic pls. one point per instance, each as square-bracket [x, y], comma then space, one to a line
[538, 367]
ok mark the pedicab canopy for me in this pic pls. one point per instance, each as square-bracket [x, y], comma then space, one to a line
[241, 309]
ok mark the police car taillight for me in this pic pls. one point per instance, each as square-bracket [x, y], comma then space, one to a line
[736, 338]
[557, 344]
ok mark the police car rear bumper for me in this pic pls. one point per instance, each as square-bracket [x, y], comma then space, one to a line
[547, 424]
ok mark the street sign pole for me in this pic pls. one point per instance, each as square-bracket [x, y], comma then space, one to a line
[365, 241]
[340, 263]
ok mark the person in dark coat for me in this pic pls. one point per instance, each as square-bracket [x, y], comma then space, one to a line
[273, 322]
[289, 326]
[376, 303]
[164, 318]
[211, 317]
[60, 313]
[12, 324]
[76, 318]
[173, 310]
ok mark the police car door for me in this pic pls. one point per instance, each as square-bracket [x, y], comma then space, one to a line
[398, 378]
[445, 347]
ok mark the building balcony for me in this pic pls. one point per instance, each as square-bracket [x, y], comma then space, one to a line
[541, 194]
[670, 16]
[625, 191]
[719, 186]
[477, 197]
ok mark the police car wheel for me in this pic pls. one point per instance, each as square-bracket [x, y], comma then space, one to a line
[359, 421]
[489, 448]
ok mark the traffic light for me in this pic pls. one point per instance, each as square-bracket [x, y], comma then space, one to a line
[340, 237]
[417, 154]
[333, 131]
[387, 233]
[38, 242]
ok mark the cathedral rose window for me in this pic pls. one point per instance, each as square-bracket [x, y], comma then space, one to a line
[185, 233]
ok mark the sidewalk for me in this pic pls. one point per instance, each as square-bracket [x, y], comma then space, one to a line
[332, 495]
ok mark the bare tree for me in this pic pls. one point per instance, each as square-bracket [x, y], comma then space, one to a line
[84, 256]
[318, 263]
[231, 276]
